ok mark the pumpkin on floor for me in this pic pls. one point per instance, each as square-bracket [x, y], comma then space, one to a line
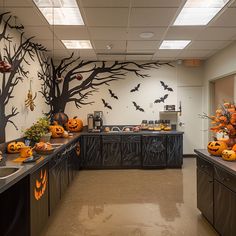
[229, 155]
[216, 148]
[56, 130]
[14, 147]
[74, 124]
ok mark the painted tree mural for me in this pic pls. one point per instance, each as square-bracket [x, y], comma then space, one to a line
[17, 55]
[59, 90]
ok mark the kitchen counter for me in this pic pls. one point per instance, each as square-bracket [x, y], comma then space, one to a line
[146, 132]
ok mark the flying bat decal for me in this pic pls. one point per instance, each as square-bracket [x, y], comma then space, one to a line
[135, 88]
[161, 99]
[138, 107]
[112, 94]
[166, 87]
[106, 104]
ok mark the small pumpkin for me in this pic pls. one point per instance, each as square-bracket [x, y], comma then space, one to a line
[229, 155]
[74, 124]
[43, 146]
[57, 131]
[26, 151]
[14, 147]
[216, 148]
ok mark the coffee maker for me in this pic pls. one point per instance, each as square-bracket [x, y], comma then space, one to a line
[98, 120]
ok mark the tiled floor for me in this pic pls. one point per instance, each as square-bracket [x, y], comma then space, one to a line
[131, 203]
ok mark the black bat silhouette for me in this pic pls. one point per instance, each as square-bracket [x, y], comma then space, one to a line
[112, 94]
[138, 107]
[135, 88]
[106, 104]
[161, 99]
[166, 87]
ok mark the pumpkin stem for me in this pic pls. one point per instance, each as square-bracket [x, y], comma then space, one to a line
[74, 117]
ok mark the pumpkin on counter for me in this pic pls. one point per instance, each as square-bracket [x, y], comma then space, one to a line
[14, 147]
[43, 146]
[60, 117]
[229, 155]
[216, 148]
[74, 124]
[56, 130]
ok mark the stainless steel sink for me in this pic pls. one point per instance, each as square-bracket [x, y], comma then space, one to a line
[7, 171]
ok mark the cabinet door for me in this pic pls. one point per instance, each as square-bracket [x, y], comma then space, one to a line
[64, 175]
[174, 150]
[205, 194]
[92, 152]
[154, 151]
[38, 200]
[111, 151]
[224, 210]
[131, 151]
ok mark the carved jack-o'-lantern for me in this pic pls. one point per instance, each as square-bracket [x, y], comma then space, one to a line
[77, 149]
[26, 151]
[216, 148]
[43, 146]
[74, 124]
[57, 131]
[40, 185]
[229, 155]
[14, 147]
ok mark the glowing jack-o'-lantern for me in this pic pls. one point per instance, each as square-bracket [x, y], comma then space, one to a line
[74, 124]
[229, 155]
[77, 149]
[26, 151]
[57, 131]
[14, 147]
[216, 148]
[40, 185]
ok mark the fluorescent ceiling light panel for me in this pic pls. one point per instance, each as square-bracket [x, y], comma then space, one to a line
[174, 44]
[199, 12]
[60, 12]
[77, 44]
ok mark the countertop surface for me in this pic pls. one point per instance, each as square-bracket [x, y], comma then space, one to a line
[229, 166]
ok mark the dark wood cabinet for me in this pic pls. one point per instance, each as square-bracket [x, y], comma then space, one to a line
[154, 151]
[111, 151]
[92, 157]
[174, 150]
[38, 200]
[131, 151]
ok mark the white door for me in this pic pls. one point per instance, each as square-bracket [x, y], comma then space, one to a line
[189, 121]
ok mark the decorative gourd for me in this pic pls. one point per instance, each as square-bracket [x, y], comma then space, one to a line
[14, 147]
[216, 148]
[61, 118]
[229, 155]
[40, 185]
[56, 130]
[74, 124]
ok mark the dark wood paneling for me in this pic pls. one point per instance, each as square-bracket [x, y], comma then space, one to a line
[64, 175]
[131, 151]
[174, 150]
[224, 210]
[38, 207]
[92, 157]
[154, 151]
[205, 194]
[111, 151]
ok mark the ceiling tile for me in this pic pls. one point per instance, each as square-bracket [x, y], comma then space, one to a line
[138, 57]
[16, 3]
[156, 3]
[217, 33]
[143, 45]
[87, 53]
[60, 54]
[49, 44]
[39, 32]
[71, 32]
[227, 18]
[195, 53]
[133, 33]
[160, 53]
[105, 3]
[151, 16]
[111, 58]
[106, 16]
[106, 33]
[183, 32]
[116, 45]
[208, 45]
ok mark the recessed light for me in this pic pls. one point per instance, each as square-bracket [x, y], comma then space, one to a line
[199, 12]
[60, 12]
[146, 35]
[174, 44]
[77, 44]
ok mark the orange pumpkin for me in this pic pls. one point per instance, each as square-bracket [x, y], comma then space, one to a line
[234, 148]
[74, 124]
[40, 185]
[14, 147]
[57, 131]
[216, 148]
[229, 155]
[26, 151]
[43, 146]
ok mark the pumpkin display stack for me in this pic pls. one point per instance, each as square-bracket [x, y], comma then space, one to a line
[74, 124]
[56, 130]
